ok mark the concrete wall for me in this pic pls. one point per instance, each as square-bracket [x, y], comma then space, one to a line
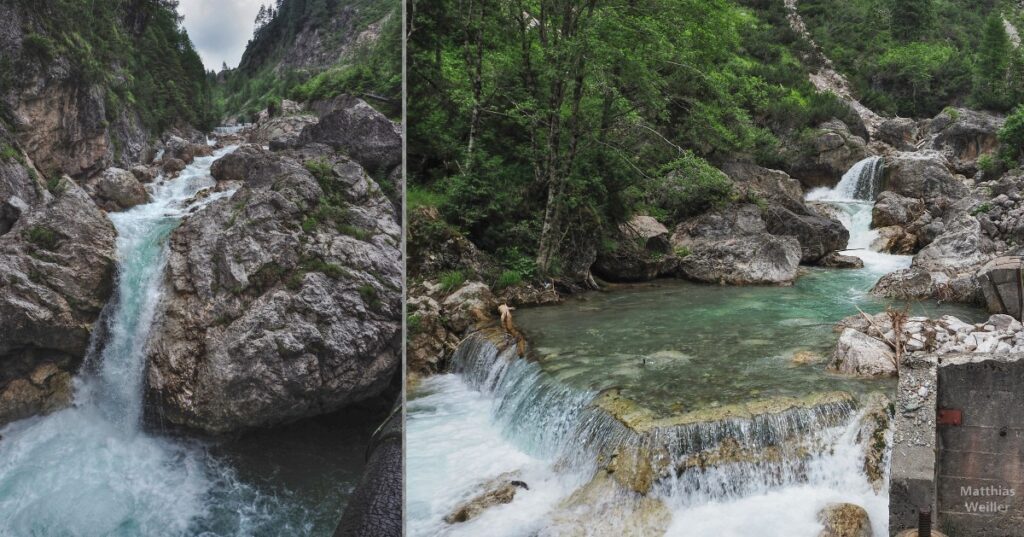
[980, 470]
[912, 476]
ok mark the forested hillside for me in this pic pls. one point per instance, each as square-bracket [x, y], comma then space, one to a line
[536, 128]
[122, 71]
[309, 50]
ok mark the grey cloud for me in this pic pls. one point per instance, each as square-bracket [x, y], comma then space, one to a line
[220, 28]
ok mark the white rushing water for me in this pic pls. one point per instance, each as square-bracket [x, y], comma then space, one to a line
[855, 197]
[92, 469]
[500, 414]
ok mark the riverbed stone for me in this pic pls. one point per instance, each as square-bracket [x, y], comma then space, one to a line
[841, 261]
[602, 509]
[861, 355]
[892, 209]
[471, 303]
[116, 190]
[845, 520]
[498, 491]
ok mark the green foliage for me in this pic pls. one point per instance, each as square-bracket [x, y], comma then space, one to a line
[451, 280]
[988, 164]
[43, 237]
[417, 196]
[912, 19]
[56, 185]
[372, 70]
[992, 69]
[414, 323]
[369, 295]
[9, 153]
[1011, 136]
[682, 251]
[509, 278]
[690, 186]
[135, 50]
[981, 209]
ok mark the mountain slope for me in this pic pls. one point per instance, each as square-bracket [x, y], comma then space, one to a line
[310, 50]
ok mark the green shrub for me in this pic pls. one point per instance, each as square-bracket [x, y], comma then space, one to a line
[9, 153]
[43, 237]
[40, 47]
[682, 251]
[369, 295]
[690, 186]
[417, 196]
[509, 278]
[981, 209]
[413, 323]
[1011, 136]
[451, 280]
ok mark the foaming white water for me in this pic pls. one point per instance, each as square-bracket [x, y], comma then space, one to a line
[457, 446]
[500, 414]
[835, 476]
[92, 470]
[855, 197]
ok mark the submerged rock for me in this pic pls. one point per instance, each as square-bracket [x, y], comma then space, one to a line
[733, 246]
[838, 260]
[497, 491]
[862, 355]
[603, 509]
[283, 301]
[845, 520]
[872, 436]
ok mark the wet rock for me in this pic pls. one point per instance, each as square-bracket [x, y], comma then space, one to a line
[498, 491]
[468, 305]
[963, 135]
[275, 309]
[838, 260]
[57, 266]
[144, 174]
[862, 355]
[822, 158]
[116, 190]
[892, 209]
[733, 246]
[818, 235]
[872, 437]
[806, 358]
[602, 509]
[173, 166]
[844, 520]
[359, 131]
[894, 240]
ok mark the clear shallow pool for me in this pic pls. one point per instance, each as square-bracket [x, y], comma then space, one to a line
[676, 346]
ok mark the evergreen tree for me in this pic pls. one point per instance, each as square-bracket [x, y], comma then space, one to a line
[994, 54]
[911, 19]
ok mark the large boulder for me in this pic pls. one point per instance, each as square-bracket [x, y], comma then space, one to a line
[116, 190]
[892, 209]
[963, 135]
[901, 133]
[844, 520]
[361, 132]
[733, 246]
[862, 355]
[267, 130]
[641, 252]
[821, 158]
[776, 186]
[1001, 283]
[57, 267]
[283, 300]
[818, 235]
[923, 176]
[468, 305]
[894, 240]
[963, 246]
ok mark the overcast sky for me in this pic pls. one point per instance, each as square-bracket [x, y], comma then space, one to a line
[220, 28]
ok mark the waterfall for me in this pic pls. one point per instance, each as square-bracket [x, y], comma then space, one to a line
[854, 196]
[557, 436]
[92, 469]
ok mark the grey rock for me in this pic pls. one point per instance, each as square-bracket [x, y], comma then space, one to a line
[859, 354]
[270, 316]
[116, 190]
[923, 176]
[358, 130]
[641, 253]
[963, 135]
[823, 158]
[892, 209]
[837, 260]
[818, 235]
[733, 246]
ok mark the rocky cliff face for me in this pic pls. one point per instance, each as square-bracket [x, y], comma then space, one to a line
[284, 300]
[56, 274]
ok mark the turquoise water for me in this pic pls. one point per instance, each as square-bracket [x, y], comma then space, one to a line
[676, 346]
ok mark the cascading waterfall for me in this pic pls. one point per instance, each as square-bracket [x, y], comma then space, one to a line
[854, 196]
[92, 469]
[554, 436]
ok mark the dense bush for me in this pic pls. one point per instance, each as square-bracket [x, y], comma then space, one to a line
[1011, 137]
